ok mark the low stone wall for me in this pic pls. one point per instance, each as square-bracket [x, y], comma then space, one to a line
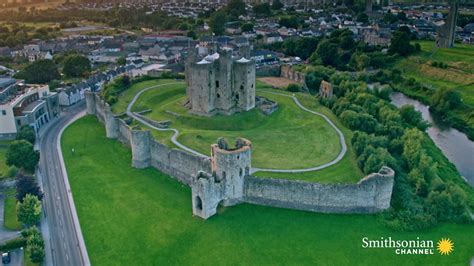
[371, 194]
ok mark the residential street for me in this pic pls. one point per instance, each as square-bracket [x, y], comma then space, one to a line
[65, 239]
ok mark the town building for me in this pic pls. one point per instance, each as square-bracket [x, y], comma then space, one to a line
[25, 104]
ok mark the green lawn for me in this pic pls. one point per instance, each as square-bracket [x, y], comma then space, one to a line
[3, 164]
[10, 220]
[307, 137]
[142, 217]
[127, 96]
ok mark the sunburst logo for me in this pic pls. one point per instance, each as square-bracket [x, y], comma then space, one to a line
[445, 246]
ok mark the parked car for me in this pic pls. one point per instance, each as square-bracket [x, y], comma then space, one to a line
[6, 258]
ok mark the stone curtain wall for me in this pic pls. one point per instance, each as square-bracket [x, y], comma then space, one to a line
[287, 72]
[177, 163]
[145, 150]
[371, 194]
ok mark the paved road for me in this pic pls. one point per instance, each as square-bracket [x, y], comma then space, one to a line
[174, 138]
[65, 238]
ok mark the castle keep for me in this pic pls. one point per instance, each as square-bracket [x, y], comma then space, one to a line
[219, 83]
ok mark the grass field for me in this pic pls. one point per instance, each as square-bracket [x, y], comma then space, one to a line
[3, 164]
[141, 217]
[10, 220]
[308, 138]
[458, 75]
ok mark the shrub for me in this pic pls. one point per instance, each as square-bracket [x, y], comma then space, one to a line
[13, 244]
[293, 87]
[12, 171]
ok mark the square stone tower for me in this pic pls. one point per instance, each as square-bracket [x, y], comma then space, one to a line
[220, 83]
[226, 183]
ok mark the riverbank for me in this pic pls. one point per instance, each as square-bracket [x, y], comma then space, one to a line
[454, 144]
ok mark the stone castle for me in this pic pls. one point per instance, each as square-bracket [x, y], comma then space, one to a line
[220, 83]
[225, 177]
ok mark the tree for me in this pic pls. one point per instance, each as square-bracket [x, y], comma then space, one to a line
[27, 185]
[236, 8]
[390, 18]
[277, 5]
[29, 211]
[327, 52]
[122, 61]
[262, 10]
[400, 42]
[192, 34]
[34, 243]
[21, 154]
[293, 87]
[289, 22]
[375, 161]
[36, 253]
[359, 61]
[313, 79]
[362, 17]
[413, 117]
[76, 65]
[41, 71]
[217, 22]
[445, 99]
[27, 133]
[247, 27]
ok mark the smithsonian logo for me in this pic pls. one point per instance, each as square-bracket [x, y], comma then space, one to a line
[411, 247]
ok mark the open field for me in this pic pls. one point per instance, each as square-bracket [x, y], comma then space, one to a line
[277, 81]
[458, 75]
[141, 217]
[289, 138]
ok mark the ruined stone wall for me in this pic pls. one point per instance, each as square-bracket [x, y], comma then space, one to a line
[371, 194]
[177, 163]
[146, 151]
[124, 132]
[287, 72]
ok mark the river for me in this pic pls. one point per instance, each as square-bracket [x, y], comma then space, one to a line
[454, 144]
